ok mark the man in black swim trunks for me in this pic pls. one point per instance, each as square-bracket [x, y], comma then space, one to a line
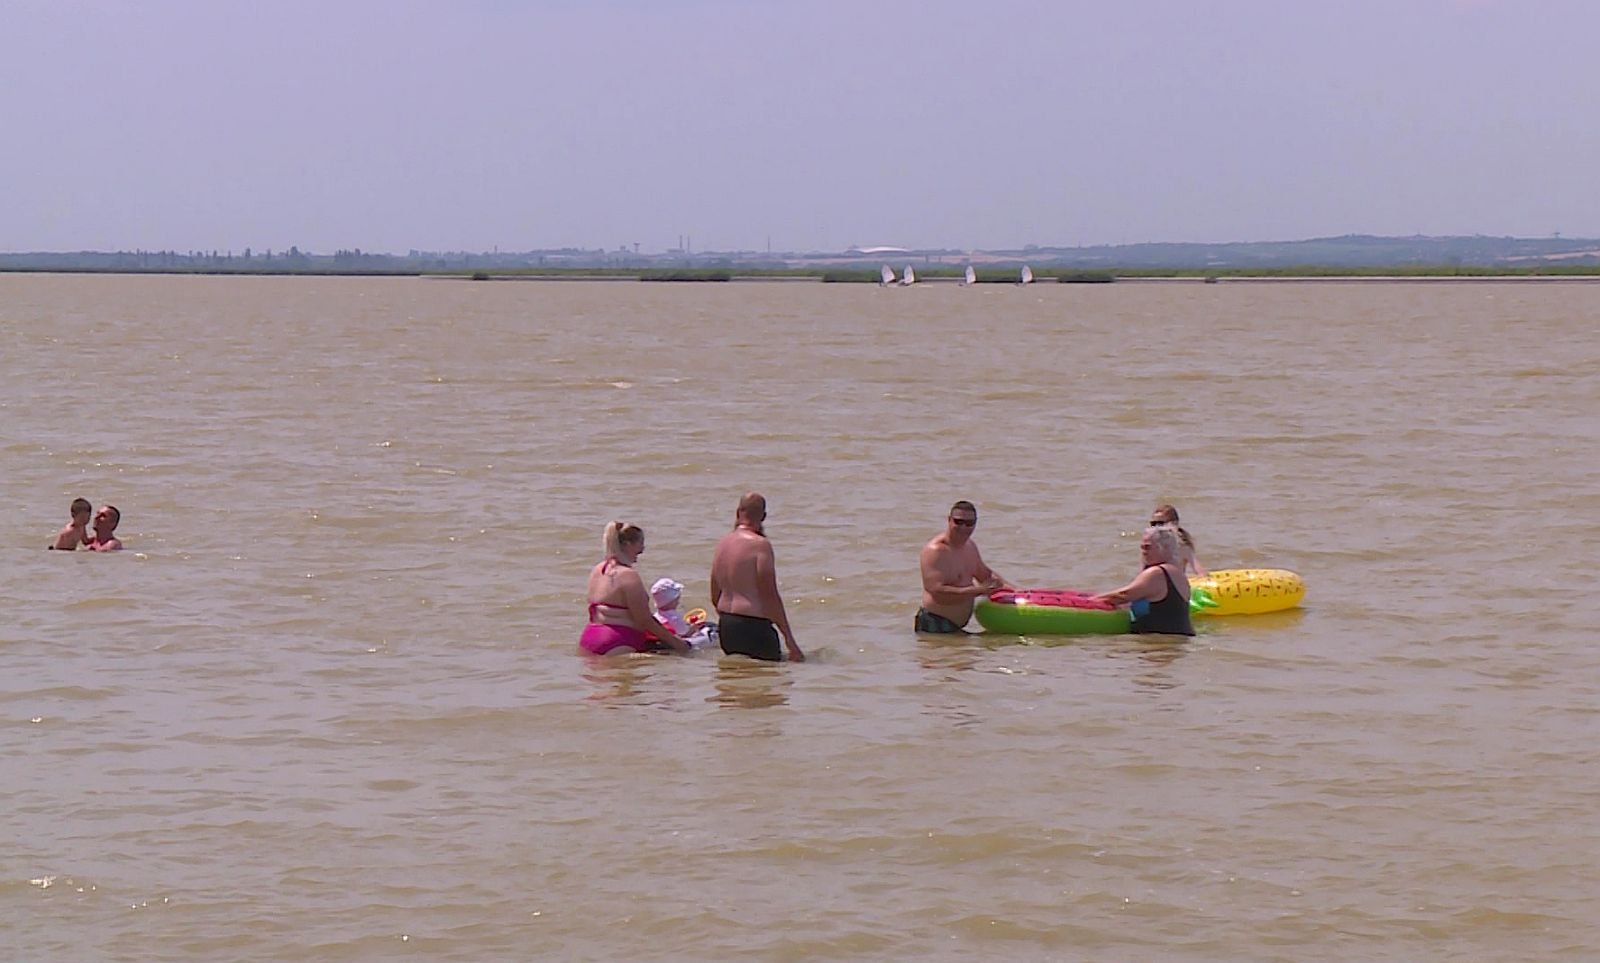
[744, 589]
[953, 574]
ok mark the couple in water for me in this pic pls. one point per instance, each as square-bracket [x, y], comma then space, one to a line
[76, 532]
[954, 575]
[744, 592]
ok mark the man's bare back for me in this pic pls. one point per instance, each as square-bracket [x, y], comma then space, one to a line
[736, 572]
[744, 588]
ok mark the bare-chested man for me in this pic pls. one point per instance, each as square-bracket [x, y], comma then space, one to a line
[953, 574]
[105, 526]
[744, 589]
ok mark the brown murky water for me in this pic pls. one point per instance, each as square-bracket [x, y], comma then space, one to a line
[328, 706]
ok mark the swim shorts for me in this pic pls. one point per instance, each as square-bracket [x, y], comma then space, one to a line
[935, 624]
[748, 635]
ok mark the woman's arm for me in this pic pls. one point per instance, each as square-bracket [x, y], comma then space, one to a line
[643, 619]
[1143, 586]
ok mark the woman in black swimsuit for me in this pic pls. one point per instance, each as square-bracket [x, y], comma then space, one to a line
[1159, 595]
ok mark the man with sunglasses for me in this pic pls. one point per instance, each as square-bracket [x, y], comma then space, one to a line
[953, 574]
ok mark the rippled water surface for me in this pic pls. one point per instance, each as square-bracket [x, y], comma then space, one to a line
[328, 705]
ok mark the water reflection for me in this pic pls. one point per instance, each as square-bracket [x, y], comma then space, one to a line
[743, 683]
[946, 657]
[1147, 656]
[1158, 653]
[957, 653]
[616, 678]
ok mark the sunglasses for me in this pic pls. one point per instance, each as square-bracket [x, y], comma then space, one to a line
[964, 522]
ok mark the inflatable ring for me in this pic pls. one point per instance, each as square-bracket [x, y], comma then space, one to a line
[1246, 591]
[1050, 612]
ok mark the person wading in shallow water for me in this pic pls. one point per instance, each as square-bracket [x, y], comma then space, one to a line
[619, 610]
[1158, 597]
[1168, 516]
[106, 521]
[744, 589]
[77, 531]
[953, 574]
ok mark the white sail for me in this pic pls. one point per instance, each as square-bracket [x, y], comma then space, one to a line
[1027, 275]
[909, 277]
[971, 278]
[887, 275]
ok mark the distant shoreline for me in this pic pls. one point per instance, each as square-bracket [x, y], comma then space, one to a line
[937, 276]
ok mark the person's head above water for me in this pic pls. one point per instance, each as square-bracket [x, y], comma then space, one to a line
[623, 542]
[81, 510]
[1164, 515]
[1159, 545]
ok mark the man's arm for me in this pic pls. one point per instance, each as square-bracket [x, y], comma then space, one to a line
[934, 580]
[767, 584]
[988, 577]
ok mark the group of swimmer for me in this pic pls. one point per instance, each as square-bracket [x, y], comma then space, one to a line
[76, 532]
[744, 592]
[750, 616]
[954, 576]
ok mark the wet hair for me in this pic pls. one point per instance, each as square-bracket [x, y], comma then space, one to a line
[619, 534]
[1164, 539]
[116, 516]
[753, 506]
[81, 505]
[963, 506]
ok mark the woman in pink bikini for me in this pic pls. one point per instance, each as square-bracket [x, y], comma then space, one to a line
[619, 609]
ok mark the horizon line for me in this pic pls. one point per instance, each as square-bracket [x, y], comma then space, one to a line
[855, 249]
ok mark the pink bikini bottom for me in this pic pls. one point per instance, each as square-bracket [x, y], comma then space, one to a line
[599, 639]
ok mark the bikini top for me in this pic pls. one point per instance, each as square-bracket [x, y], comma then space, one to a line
[595, 607]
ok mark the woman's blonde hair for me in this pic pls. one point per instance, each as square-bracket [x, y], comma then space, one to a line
[619, 534]
[1164, 538]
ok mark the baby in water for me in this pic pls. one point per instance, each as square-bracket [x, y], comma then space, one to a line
[666, 594]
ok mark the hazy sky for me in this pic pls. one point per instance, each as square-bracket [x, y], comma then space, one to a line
[387, 125]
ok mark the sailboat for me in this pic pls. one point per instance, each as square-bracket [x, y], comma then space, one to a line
[1027, 275]
[908, 278]
[886, 277]
[971, 278]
